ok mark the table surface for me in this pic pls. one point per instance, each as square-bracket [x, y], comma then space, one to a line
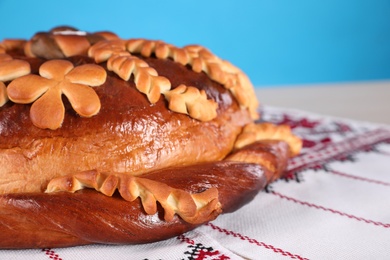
[365, 101]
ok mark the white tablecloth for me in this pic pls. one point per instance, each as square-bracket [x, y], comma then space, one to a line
[334, 204]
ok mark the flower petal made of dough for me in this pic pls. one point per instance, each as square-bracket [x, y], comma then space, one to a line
[5, 57]
[3, 94]
[48, 111]
[28, 88]
[83, 99]
[55, 69]
[88, 74]
[12, 69]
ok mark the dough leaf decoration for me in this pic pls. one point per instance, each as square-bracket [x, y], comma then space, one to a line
[191, 101]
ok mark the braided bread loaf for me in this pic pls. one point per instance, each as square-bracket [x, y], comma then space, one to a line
[106, 140]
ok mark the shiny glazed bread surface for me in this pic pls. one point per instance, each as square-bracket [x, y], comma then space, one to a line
[128, 134]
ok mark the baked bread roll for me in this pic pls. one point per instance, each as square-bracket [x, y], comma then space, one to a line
[110, 140]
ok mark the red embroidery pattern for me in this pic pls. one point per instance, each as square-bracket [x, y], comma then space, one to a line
[199, 252]
[358, 178]
[325, 153]
[377, 223]
[203, 254]
[304, 123]
[254, 241]
[185, 239]
[51, 253]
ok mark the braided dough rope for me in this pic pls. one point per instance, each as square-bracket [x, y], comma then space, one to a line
[59, 219]
[192, 208]
[201, 59]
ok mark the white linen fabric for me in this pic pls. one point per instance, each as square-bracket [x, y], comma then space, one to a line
[333, 204]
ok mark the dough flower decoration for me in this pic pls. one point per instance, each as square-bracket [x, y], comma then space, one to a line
[120, 61]
[58, 77]
[10, 69]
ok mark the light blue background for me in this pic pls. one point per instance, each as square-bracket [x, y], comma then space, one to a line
[276, 42]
